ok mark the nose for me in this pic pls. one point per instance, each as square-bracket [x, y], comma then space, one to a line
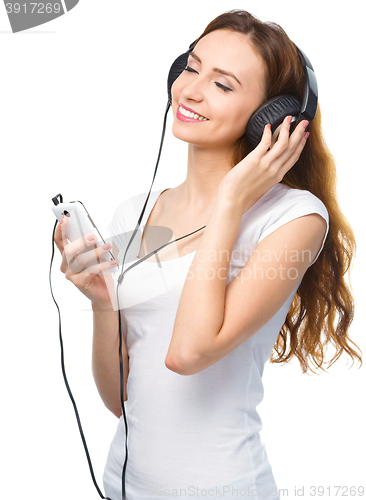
[194, 90]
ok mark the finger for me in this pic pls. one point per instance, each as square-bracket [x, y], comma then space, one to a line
[72, 248]
[84, 277]
[65, 259]
[64, 243]
[101, 267]
[286, 145]
[285, 153]
[283, 137]
[81, 261]
[290, 162]
[265, 142]
[274, 151]
[63, 224]
[78, 244]
[296, 141]
[299, 131]
[58, 238]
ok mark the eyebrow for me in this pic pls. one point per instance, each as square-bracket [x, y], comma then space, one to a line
[217, 70]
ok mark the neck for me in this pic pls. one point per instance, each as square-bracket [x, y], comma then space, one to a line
[205, 171]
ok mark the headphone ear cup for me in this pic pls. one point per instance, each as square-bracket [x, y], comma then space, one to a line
[274, 112]
[175, 70]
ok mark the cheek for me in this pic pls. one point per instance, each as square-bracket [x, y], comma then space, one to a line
[242, 113]
[235, 119]
[176, 88]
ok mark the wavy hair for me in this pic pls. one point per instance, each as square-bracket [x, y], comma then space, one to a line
[323, 306]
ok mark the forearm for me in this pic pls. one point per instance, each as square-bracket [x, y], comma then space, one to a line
[200, 312]
[105, 359]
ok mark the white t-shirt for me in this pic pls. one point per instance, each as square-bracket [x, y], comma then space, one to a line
[193, 436]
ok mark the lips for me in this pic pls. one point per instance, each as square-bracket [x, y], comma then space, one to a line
[189, 115]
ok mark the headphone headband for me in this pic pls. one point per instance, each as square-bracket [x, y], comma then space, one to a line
[310, 98]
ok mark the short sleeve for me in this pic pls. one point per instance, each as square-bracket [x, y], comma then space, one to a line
[296, 203]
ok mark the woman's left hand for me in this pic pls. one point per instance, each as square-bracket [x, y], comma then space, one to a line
[261, 169]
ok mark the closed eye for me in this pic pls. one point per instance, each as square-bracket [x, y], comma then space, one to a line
[219, 85]
[223, 87]
[191, 70]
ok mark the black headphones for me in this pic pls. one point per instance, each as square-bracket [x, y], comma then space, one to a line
[273, 111]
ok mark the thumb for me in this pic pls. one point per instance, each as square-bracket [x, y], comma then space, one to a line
[59, 237]
[63, 225]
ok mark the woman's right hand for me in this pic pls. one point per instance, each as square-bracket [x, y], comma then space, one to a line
[97, 287]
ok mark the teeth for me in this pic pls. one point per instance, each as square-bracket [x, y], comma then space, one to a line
[189, 114]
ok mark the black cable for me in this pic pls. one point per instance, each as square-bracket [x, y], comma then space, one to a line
[122, 397]
[65, 377]
[156, 168]
[156, 251]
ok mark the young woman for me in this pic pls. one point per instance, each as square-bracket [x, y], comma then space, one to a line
[266, 275]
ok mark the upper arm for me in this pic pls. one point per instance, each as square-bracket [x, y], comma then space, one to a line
[263, 285]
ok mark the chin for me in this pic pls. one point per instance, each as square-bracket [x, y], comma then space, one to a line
[186, 135]
[196, 139]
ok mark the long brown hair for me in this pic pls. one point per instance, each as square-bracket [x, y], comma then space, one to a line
[323, 307]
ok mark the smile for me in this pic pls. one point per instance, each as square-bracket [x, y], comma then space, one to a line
[186, 113]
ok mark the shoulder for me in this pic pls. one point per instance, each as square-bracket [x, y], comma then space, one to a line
[282, 197]
[283, 204]
[279, 212]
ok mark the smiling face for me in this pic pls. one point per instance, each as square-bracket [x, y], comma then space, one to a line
[214, 97]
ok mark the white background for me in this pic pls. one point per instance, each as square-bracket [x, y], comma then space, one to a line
[82, 104]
